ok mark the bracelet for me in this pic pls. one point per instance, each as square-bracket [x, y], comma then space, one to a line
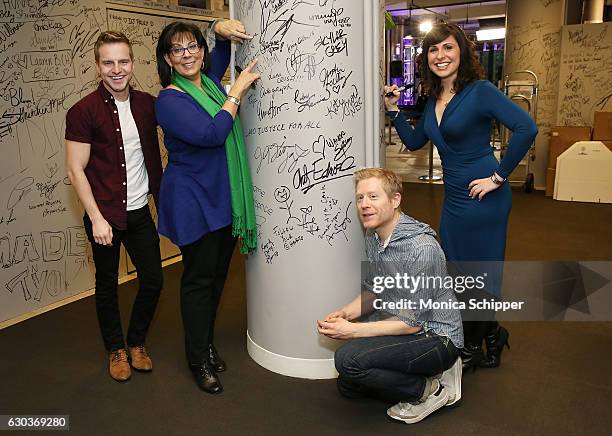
[494, 179]
[233, 99]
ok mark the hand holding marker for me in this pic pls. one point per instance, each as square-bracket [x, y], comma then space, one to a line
[400, 89]
[239, 71]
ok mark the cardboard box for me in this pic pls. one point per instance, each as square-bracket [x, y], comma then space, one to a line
[562, 138]
[606, 143]
[584, 173]
[602, 126]
[550, 181]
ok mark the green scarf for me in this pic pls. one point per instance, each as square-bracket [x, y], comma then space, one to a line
[241, 186]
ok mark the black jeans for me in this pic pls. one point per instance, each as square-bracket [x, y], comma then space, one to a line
[205, 263]
[142, 244]
[393, 368]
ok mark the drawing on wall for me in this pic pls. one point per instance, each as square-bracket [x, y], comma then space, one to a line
[304, 121]
[585, 84]
[46, 58]
[47, 65]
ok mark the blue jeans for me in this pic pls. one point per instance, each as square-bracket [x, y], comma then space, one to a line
[394, 368]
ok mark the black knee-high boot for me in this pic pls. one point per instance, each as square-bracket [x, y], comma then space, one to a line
[497, 336]
[471, 353]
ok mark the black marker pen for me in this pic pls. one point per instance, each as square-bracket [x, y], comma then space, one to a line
[400, 89]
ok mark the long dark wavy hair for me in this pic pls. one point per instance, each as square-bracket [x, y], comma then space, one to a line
[469, 66]
[165, 43]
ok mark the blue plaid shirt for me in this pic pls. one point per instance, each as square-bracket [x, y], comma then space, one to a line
[413, 251]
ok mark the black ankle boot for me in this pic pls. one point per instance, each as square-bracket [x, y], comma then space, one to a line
[215, 360]
[206, 379]
[471, 356]
[495, 341]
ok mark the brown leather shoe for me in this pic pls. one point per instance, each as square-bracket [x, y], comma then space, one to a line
[140, 359]
[119, 366]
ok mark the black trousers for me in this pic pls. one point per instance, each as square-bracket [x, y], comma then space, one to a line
[142, 244]
[205, 263]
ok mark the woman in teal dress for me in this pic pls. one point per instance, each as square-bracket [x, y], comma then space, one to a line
[477, 199]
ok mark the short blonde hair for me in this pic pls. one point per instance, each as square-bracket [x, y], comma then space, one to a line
[391, 182]
[111, 37]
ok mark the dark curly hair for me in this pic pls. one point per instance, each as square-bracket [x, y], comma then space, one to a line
[469, 66]
[165, 44]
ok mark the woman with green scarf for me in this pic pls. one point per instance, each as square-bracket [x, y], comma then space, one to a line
[206, 195]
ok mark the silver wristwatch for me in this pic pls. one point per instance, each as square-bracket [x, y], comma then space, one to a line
[233, 99]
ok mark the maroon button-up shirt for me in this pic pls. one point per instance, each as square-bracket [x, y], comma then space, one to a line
[94, 120]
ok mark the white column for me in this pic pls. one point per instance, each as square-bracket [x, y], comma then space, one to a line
[311, 121]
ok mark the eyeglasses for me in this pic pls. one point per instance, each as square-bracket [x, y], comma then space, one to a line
[178, 52]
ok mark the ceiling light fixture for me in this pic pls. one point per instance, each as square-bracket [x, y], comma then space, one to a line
[425, 26]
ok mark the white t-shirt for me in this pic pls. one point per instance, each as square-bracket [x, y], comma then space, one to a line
[137, 177]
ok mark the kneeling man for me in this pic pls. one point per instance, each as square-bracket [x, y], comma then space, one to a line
[409, 353]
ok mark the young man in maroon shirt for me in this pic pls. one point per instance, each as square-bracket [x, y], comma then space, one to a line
[113, 162]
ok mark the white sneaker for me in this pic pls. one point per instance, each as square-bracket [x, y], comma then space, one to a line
[451, 380]
[412, 413]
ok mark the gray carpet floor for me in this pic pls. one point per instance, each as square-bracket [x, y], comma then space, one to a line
[553, 381]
